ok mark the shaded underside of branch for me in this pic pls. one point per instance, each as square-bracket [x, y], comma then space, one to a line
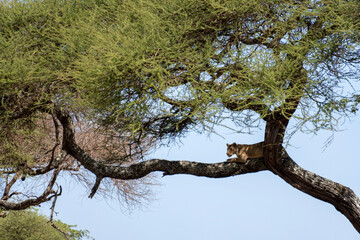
[214, 170]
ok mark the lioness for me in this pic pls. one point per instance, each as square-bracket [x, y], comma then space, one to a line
[243, 151]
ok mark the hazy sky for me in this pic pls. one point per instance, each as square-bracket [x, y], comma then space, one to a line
[250, 207]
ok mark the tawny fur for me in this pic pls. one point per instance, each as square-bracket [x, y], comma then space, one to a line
[244, 151]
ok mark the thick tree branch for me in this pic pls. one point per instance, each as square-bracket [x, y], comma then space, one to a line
[135, 171]
[341, 197]
[215, 170]
[279, 162]
[95, 187]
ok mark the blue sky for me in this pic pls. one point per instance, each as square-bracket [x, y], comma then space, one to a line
[250, 207]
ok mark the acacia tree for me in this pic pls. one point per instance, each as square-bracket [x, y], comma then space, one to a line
[141, 73]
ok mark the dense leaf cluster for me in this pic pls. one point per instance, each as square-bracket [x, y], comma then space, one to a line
[160, 67]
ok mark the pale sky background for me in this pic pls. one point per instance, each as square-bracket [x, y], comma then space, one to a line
[258, 206]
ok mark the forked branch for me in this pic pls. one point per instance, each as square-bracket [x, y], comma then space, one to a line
[47, 195]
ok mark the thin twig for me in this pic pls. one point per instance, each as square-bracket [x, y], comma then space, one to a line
[52, 214]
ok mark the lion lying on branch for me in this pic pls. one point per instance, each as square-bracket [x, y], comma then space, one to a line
[244, 151]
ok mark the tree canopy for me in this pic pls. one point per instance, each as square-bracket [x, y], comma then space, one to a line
[93, 86]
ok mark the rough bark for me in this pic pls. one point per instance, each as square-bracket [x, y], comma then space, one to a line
[341, 197]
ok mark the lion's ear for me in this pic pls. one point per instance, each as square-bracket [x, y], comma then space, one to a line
[227, 145]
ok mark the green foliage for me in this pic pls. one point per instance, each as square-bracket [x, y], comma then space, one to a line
[30, 225]
[161, 67]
